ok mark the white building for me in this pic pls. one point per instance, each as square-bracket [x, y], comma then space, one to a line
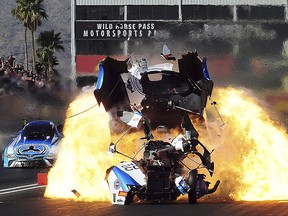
[104, 27]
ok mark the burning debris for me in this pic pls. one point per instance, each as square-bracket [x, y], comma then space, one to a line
[77, 194]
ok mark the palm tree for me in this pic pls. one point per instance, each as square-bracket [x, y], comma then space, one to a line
[19, 12]
[49, 43]
[35, 16]
[31, 13]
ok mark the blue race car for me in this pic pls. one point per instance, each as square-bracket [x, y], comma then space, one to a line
[36, 145]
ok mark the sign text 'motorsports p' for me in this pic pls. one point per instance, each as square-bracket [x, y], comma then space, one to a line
[106, 30]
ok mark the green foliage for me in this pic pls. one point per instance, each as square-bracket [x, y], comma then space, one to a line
[30, 13]
[49, 43]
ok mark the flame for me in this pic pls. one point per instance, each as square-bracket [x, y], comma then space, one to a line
[251, 149]
[82, 160]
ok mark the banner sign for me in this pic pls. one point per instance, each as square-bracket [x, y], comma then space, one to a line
[114, 30]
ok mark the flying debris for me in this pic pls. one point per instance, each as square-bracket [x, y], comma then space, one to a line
[158, 97]
[77, 194]
[162, 95]
[166, 53]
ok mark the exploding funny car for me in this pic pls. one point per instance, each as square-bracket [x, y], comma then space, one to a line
[161, 98]
[36, 145]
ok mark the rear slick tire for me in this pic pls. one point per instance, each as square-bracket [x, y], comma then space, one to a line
[192, 182]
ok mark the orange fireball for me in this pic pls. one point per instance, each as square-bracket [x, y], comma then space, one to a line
[250, 149]
[83, 159]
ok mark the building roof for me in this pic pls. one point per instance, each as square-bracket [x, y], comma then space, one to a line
[183, 2]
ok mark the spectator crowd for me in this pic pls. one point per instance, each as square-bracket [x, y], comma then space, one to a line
[13, 77]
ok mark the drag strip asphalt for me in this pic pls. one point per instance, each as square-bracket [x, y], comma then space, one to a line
[20, 189]
[21, 195]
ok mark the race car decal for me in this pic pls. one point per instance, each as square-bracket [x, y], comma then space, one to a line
[117, 184]
[124, 178]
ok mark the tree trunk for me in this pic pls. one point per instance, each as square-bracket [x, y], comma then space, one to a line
[50, 66]
[33, 51]
[26, 50]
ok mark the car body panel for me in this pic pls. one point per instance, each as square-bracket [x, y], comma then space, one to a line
[155, 89]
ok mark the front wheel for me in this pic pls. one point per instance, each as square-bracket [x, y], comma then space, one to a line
[192, 182]
[129, 197]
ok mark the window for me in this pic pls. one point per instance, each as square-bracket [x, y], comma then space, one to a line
[165, 12]
[261, 12]
[145, 12]
[205, 12]
[99, 12]
[38, 131]
[81, 13]
[152, 12]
